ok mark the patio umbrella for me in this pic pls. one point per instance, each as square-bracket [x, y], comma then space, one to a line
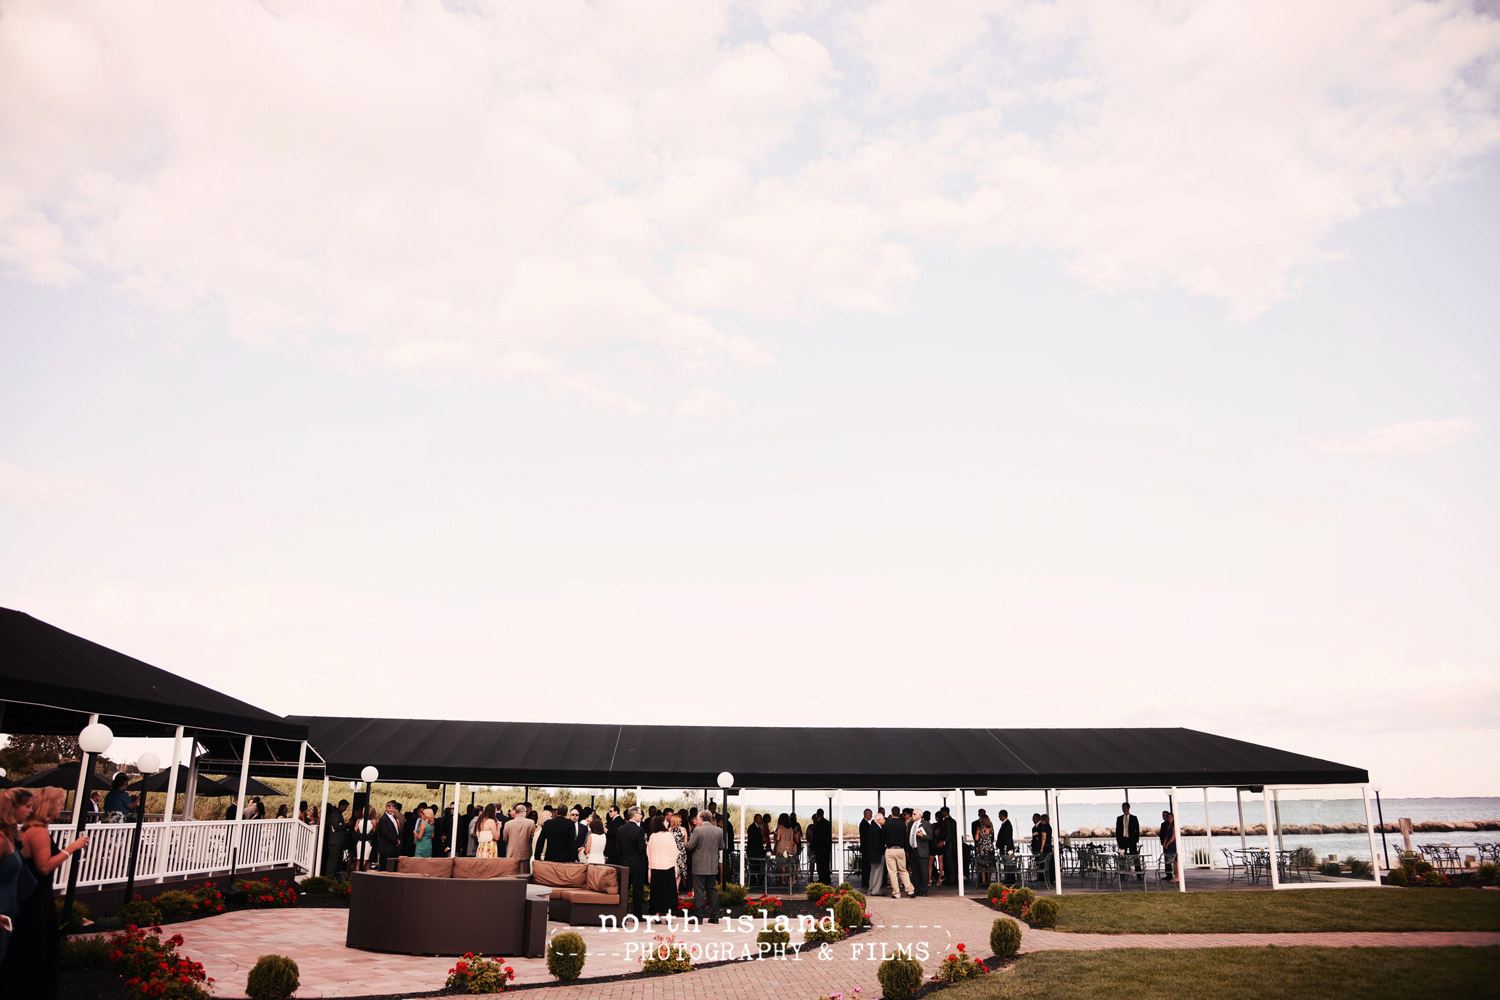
[207, 787]
[252, 787]
[65, 776]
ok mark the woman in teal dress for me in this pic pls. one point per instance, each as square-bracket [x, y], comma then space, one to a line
[424, 834]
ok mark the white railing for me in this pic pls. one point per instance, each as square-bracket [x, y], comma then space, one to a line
[194, 848]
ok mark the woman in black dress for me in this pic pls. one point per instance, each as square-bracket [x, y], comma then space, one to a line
[30, 967]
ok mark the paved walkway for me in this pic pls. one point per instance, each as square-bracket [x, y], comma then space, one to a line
[228, 946]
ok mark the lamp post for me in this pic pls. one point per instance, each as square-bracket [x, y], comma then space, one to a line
[1380, 814]
[726, 782]
[148, 765]
[371, 774]
[95, 739]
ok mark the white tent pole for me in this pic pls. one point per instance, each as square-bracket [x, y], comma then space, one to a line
[841, 837]
[1276, 802]
[1239, 805]
[458, 789]
[744, 835]
[239, 812]
[168, 809]
[322, 824]
[1056, 825]
[1181, 854]
[1271, 842]
[961, 827]
[1208, 829]
[1364, 790]
[301, 769]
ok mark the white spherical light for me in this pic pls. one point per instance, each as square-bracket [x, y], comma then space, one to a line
[149, 763]
[95, 738]
[726, 780]
[371, 773]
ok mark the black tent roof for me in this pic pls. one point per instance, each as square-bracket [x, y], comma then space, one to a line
[604, 756]
[51, 680]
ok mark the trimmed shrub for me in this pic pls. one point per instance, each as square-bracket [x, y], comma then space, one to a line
[1015, 901]
[77, 921]
[1358, 868]
[83, 952]
[817, 890]
[210, 899]
[773, 941]
[855, 893]
[275, 977]
[140, 912]
[764, 906]
[565, 955]
[843, 887]
[958, 966]
[1005, 937]
[995, 889]
[1330, 868]
[261, 895]
[1396, 876]
[176, 905]
[668, 955]
[732, 894]
[1489, 873]
[823, 933]
[850, 913]
[900, 975]
[1044, 912]
[317, 885]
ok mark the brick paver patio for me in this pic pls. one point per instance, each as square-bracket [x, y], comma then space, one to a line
[228, 946]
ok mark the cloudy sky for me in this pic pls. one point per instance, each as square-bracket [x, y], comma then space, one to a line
[967, 363]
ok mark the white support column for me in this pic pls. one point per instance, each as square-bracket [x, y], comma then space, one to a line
[1208, 829]
[1271, 842]
[1055, 822]
[1364, 790]
[239, 810]
[458, 788]
[744, 833]
[961, 826]
[322, 825]
[1276, 805]
[166, 814]
[301, 770]
[1239, 805]
[190, 797]
[1177, 832]
[840, 798]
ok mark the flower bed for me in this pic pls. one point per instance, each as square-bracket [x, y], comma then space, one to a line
[476, 974]
[152, 968]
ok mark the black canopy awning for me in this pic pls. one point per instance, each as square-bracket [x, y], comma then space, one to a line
[604, 756]
[52, 680]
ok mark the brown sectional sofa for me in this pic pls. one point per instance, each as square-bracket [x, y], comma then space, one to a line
[432, 906]
[449, 906]
[581, 894]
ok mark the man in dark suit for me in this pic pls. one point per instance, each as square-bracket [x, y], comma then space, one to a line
[388, 836]
[630, 851]
[1128, 837]
[950, 837]
[612, 822]
[920, 839]
[866, 825]
[335, 831]
[557, 840]
[820, 845]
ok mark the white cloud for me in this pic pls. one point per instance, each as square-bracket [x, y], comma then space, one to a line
[36, 490]
[582, 192]
[1414, 437]
[707, 404]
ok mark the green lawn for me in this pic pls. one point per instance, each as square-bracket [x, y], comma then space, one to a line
[1288, 910]
[1244, 974]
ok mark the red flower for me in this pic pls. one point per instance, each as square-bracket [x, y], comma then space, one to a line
[960, 947]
